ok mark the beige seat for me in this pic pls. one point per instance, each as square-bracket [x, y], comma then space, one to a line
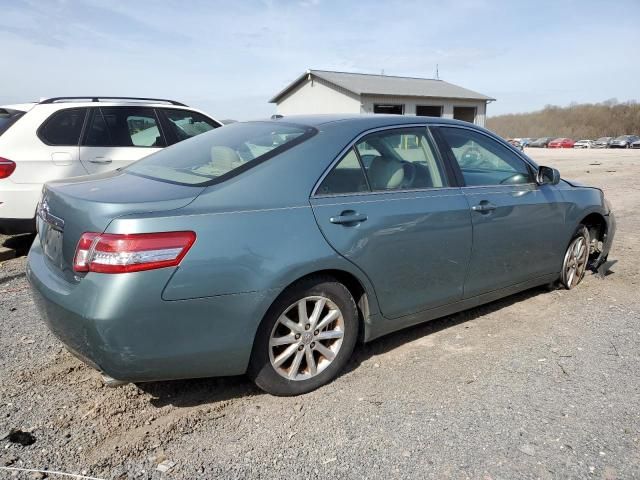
[385, 173]
[223, 160]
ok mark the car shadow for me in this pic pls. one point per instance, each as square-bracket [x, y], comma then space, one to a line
[20, 243]
[190, 393]
[394, 340]
[199, 391]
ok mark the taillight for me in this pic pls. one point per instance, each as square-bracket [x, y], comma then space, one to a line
[6, 167]
[114, 253]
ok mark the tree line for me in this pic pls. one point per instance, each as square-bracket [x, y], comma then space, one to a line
[588, 120]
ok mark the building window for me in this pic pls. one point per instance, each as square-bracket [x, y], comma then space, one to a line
[466, 114]
[389, 109]
[429, 110]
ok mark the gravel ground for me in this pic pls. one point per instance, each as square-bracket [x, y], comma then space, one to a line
[538, 385]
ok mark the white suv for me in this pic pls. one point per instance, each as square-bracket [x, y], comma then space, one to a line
[70, 136]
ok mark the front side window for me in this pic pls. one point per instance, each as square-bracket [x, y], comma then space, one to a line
[483, 160]
[218, 154]
[63, 127]
[124, 127]
[183, 124]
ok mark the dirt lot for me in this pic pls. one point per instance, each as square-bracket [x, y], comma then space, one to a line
[539, 385]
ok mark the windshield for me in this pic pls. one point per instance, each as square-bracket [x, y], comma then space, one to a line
[8, 118]
[214, 156]
[621, 138]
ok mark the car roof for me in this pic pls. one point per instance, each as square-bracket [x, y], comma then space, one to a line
[23, 107]
[362, 120]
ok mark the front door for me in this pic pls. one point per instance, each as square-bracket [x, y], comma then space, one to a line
[388, 208]
[517, 225]
[118, 136]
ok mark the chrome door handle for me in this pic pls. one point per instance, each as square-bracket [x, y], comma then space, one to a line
[101, 160]
[348, 217]
[484, 207]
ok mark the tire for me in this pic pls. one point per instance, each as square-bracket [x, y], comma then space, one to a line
[576, 258]
[293, 357]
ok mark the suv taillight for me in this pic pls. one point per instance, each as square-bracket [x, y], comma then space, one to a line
[6, 167]
[114, 253]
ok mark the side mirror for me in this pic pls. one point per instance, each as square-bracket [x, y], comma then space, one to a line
[548, 175]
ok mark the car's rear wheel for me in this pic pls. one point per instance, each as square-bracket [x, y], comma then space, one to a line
[306, 338]
[576, 258]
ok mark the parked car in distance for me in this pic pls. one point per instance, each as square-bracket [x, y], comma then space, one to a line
[584, 144]
[561, 143]
[636, 144]
[623, 141]
[270, 247]
[70, 136]
[525, 142]
[542, 142]
[516, 143]
[603, 142]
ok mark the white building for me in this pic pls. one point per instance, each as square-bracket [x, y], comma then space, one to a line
[321, 91]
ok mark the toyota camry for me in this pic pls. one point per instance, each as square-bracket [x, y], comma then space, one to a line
[272, 247]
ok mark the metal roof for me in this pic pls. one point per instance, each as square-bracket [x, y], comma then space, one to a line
[368, 84]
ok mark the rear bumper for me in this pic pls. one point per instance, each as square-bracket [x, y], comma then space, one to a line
[18, 201]
[119, 324]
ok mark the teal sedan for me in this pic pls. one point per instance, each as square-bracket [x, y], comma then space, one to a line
[272, 247]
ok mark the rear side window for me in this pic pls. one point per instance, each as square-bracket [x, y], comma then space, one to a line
[222, 153]
[8, 117]
[124, 127]
[395, 159]
[184, 124]
[63, 127]
[346, 177]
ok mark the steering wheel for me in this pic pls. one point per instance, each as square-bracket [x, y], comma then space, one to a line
[410, 172]
[472, 157]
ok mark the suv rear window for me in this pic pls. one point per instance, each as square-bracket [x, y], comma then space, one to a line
[8, 117]
[184, 124]
[63, 127]
[214, 156]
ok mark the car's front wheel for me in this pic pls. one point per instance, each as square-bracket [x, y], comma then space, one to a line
[576, 258]
[306, 338]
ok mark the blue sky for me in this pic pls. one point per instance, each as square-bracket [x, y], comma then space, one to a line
[230, 57]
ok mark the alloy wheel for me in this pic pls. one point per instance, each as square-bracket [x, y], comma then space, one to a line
[575, 262]
[306, 338]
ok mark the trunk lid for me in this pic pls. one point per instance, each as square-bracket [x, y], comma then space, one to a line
[88, 204]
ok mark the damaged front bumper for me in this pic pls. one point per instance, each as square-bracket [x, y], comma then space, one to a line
[607, 240]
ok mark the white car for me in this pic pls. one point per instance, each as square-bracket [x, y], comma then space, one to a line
[70, 136]
[584, 144]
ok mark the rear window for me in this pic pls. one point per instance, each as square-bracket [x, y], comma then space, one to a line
[8, 117]
[214, 156]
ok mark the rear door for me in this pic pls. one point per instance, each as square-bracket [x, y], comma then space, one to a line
[388, 207]
[61, 133]
[518, 225]
[118, 136]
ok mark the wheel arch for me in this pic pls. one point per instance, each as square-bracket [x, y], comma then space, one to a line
[359, 289]
[597, 227]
